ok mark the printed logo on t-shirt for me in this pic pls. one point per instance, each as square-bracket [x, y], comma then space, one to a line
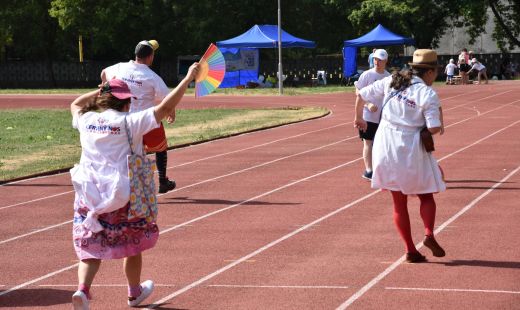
[403, 98]
[101, 127]
[131, 80]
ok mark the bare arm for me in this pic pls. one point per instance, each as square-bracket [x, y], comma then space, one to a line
[82, 100]
[359, 122]
[434, 130]
[168, 104]
[103, 76]
[442, 120]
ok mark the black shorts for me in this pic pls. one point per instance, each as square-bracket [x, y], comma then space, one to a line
[370, 133]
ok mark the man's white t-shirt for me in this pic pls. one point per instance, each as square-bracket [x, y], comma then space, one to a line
[366, 78]
[144, 84]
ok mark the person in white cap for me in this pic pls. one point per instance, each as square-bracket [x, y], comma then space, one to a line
[401, 163]
[102, 228]
[450, 71]
[148, 88]
[371, 110]
[480, 69]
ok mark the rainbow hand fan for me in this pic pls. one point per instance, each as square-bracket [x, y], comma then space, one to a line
[212, 68]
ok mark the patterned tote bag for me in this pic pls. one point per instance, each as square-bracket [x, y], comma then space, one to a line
[141, 169]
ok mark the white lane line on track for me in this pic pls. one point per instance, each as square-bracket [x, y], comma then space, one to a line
[302, 228]
[180, 165]
[244, 149]
[200, 218]
[37, 279]
[279, 286]
[392, 267]
[246, 169]
[457, 290]
[218, 155]
[35, 232]
[35, 200]
[194, 184]
[212, 285]
[398, 262]
[259, 165]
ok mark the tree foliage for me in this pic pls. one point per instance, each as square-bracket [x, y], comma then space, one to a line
[49, 29]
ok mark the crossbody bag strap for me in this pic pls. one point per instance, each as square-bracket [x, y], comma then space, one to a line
[393, 94]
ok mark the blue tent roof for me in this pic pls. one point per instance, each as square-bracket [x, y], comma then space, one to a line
[379, 36]
[265, 36]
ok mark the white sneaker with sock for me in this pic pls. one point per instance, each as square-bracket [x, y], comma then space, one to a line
[146, 290]
[80, 301]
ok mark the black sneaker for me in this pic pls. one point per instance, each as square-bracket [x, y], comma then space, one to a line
[166, 186]
[367, 175]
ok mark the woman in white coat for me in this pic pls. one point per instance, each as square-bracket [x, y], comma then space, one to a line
[400, 162]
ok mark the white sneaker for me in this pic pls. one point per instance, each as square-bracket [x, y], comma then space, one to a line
[146, 290]
[80, 301]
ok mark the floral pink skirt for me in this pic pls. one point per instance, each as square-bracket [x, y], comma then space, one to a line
[119, 238]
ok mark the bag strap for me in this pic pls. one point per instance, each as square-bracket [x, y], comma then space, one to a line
[129, 136]
[393, 94]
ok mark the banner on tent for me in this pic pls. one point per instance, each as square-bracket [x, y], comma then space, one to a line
[243, 59]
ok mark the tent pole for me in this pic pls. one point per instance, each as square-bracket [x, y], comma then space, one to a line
[280, 73]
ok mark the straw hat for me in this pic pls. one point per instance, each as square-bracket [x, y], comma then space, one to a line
[424, 58]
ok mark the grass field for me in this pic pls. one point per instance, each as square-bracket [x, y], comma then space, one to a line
[35, 141]
[290, 91]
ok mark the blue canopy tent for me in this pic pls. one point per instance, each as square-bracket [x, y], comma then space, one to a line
[259, 36]
[379, 36]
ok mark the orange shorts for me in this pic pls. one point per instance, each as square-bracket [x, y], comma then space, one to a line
[155, 140]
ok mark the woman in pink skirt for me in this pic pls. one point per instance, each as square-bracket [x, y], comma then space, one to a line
[102, 228]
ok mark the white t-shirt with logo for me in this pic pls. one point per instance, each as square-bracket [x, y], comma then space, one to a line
[144, 84]
[366, 78]
[101, 178]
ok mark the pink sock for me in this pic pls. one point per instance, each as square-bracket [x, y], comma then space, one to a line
[134, 291]
[85, 289]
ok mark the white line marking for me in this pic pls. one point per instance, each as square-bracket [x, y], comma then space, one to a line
[38, 279]
[247, 257]
[34, 200]
[35, 232]
[279, 286]
[259, 196]
[388, 270]
[257, 166]
[191, 185]
[260, 250]
[100, 285]
[214, 156]
[451, 290]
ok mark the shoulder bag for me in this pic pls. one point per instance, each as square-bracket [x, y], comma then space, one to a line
[141, 169]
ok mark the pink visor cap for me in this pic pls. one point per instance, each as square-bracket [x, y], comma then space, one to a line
[118, 88]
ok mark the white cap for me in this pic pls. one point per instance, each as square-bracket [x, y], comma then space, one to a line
[381, 54]
[474, 60]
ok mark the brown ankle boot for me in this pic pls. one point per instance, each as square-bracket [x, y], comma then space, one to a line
[432, 244]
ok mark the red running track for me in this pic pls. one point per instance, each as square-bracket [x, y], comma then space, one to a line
[280, 219]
